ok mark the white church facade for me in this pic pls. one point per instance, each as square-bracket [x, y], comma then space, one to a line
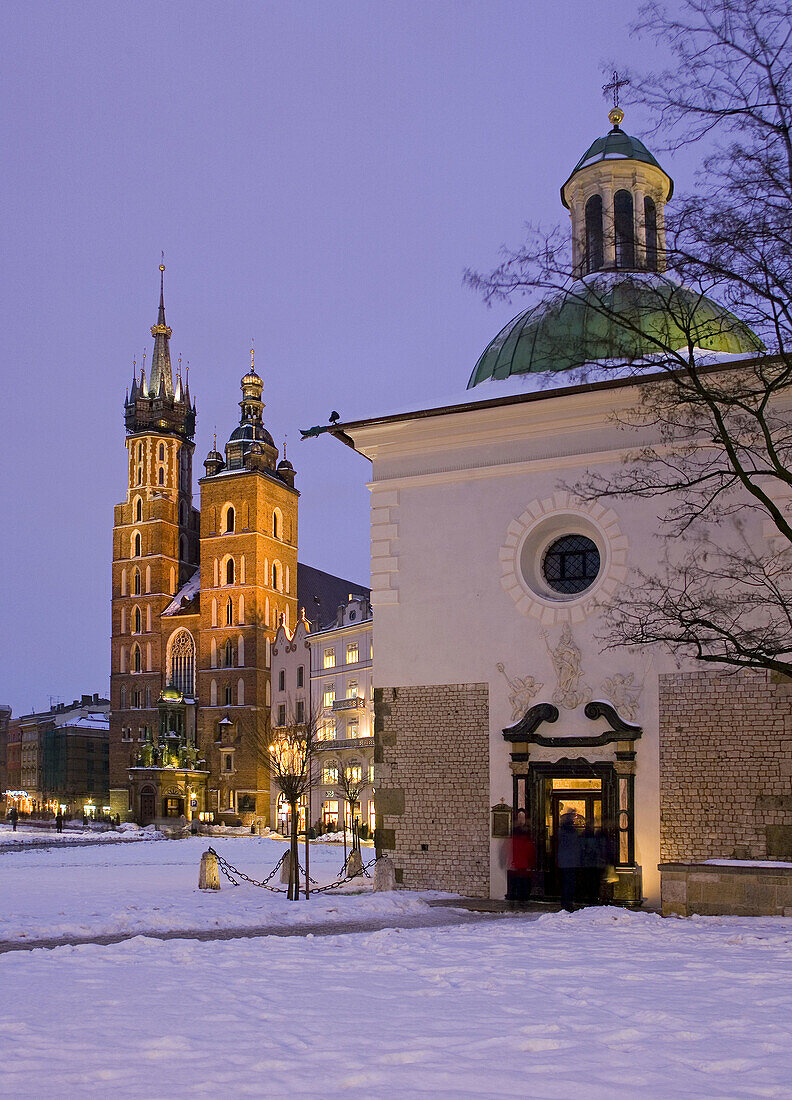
[480, 550]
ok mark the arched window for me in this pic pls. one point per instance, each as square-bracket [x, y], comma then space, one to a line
[277, 524]
[213, 693]
[241, 651]
[230, 612]
[123, 662]
[650, 223]
[136, 627]
[229, 654]
[214, 653]
[138, 510]
[594, 248]
[214, 612]
[229, 518]
[136, 583]
[148, 657]
[123, 582]
[240, 692]
[148, 619]
[136, 544]
[136, 661]
[161, 476]
[229, 571]
[241, 610]
[182, 662]
[148, 578]
[275, 575]
[162, 452]
[123, 620]
[623, 227]
[140, 452]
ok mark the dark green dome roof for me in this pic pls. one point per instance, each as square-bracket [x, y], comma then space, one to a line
[249, 432]
[570, 329]
[616, 145]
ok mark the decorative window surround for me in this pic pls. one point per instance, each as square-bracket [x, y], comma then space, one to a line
[551, 610]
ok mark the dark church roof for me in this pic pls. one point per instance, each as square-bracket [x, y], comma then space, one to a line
[321, 594]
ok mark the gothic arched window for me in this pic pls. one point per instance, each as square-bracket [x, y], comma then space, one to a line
[136, 662]
[650, 223]
[594, 247]
[624, 230]
[277, 524]
[162, 452]
[138, 510]
[230, 612]
[136, 544]
[230, 571]
[229, 518]
[275, 575]
[182, 662]
[136, 626]
[229, 654]
[161, 476]
[136, 583]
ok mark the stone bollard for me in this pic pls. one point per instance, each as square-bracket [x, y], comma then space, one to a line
[384, 874]
[354, 865]
[286, 868]
[209, 875]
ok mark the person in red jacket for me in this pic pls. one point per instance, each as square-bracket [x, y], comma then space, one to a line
[522, 862]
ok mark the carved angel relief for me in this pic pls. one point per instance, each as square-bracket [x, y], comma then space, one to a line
[521, 691]
[624, 693]
[572, 689]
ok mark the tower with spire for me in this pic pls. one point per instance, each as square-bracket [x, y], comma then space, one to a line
[155, 549]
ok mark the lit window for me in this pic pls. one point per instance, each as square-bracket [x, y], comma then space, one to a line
[329, 658]
[328, 697]
[371, 773]
[330, 814]
[352, 653]
[354, 773]
[353, 728]
[329, 774]
[351, 689]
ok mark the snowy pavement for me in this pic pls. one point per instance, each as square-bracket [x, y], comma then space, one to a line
[127, 889]
[598, 1004]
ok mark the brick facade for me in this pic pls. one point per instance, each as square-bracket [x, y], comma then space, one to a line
[431, 774]
[725, 766]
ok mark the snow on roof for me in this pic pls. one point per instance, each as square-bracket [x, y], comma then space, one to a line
[187, 592]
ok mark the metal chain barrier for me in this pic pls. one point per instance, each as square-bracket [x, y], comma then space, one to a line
[234, 875]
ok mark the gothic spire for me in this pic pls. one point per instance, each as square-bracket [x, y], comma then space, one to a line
[161, 376]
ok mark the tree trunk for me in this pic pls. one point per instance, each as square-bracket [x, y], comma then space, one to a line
[294, 883]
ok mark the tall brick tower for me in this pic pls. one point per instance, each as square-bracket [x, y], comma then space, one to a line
[155, 550]
[248, 586]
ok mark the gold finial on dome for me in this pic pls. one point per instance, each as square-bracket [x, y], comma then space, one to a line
[615, 115]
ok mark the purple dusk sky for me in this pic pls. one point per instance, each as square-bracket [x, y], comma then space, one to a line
[318, 175]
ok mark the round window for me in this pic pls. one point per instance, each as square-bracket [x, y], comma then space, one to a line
[571, 564]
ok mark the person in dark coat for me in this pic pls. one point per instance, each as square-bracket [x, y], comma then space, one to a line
[59, 822]
[522, 862]
[13, 817]
[568, 858]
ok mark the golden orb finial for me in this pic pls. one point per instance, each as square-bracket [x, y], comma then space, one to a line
[616, 114]
[162, 267]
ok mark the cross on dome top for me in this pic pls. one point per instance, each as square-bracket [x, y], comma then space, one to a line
[614, 86]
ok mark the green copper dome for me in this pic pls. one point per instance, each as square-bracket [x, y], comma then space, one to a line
[570, 329]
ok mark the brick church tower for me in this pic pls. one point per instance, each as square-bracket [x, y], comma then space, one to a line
[155, 549]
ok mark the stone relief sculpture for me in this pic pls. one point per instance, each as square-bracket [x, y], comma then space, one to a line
[572, 690]
[624, 693]
[521, 691]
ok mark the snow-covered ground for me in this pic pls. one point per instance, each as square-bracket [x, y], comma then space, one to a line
[35, 834]
[599, 1004]
[136, 888]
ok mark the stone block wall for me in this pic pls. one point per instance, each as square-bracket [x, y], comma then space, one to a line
[759, 890]
[725, 766]
[431, 777]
